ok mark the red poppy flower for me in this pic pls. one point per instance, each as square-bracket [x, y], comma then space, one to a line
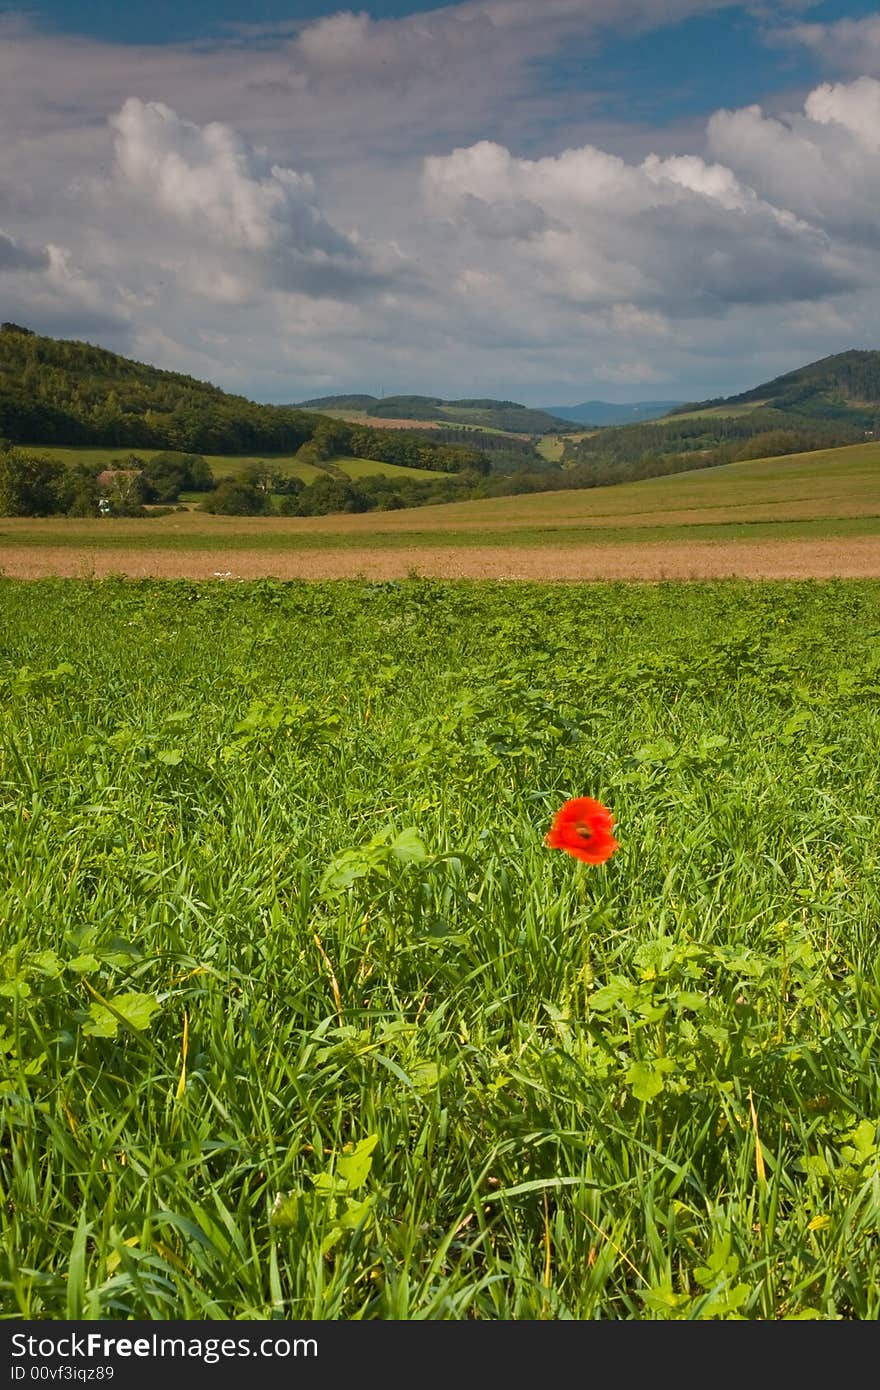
[582, 827]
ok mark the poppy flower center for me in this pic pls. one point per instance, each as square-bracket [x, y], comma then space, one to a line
[583, 830]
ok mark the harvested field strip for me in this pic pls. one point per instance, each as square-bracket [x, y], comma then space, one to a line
[857, 557]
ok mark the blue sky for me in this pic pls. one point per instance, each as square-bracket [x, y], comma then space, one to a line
[168, 21]
[618, 199]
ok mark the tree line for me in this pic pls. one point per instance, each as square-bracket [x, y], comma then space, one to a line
[40, 485]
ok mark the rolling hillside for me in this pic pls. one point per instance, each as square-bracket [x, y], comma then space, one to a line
[70, 396]
[835, 401]
[56, 391]
[845, 386]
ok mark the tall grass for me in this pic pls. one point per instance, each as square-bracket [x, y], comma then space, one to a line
[301, 1019]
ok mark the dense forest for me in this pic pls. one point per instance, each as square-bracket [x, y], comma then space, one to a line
[54, 391]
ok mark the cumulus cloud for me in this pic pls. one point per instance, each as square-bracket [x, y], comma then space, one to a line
[209, 182]
[227, 248]
[45, 289]
[855, 108]
[823, 163]
[673, 236]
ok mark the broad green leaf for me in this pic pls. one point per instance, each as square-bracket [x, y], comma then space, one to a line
[355, 1213]
[646, 1078]
[616, 992]
[426, 1076]
[354, 1167]
[864, 1142]
[85, 964]
[17, 988]
[136, 1009]
[47, 963]
[347, 868]
[408, 846]
[328, 1185]
[815, 1164]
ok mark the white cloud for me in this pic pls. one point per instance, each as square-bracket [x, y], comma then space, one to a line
[668, 235]
[228, 247]
[856, 108]
[630, 373]
[208, 179]
[849, 45]
[822, 164]
[45, 289]
[486, 37]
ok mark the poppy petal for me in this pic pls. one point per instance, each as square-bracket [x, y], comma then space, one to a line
[582, 827]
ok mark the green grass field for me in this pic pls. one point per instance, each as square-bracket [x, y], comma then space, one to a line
[352, 467]
[301, 1019]
[550, 447]
[368, 468]
[712, 412]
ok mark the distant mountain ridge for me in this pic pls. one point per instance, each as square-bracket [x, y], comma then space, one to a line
[480, 411]
[608, 413]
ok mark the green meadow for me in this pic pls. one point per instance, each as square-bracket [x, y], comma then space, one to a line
[230, 465]
[713, 412]
[300, 1018]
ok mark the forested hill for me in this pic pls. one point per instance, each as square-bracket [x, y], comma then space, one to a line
[828, 403]
[483, 412]
[54, 391]
[845, 386]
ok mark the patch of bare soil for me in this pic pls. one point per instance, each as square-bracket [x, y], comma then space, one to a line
[857, 557]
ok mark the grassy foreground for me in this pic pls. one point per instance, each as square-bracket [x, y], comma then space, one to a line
[300, 1018]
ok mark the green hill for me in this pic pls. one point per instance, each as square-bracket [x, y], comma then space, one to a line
[832, 402]
[482, 412]
[845, 386]
[54, 391]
